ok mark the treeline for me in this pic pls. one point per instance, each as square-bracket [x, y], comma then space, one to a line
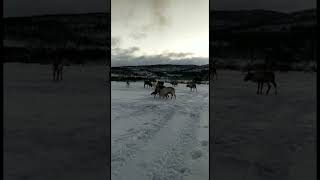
[280, 46]
[279, 38]
[76, 38]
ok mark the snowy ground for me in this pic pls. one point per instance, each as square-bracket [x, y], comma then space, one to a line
[263, 137]
[157, 138]
[55, 130]
[59, 130]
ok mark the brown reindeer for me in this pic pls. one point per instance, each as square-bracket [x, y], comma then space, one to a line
[261, 77]
[164, 92]
[192, 86]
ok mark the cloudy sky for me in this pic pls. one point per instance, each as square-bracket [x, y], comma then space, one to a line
[160, 31]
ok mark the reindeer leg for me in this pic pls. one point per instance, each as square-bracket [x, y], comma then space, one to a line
[269, 86]
[275, 87]
[261, 88]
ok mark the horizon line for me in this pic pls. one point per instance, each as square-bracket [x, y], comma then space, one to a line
[100, 12]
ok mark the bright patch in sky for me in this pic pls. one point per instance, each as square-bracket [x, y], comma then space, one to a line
[161, 26]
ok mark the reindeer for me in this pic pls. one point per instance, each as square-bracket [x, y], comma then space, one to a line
[164, 92]
[157, 92]
[262, 77]
[57, 67]
[214, 73]
[148, 83]
[174, 83]
[192, 86]
[160, 83]
[154, 84]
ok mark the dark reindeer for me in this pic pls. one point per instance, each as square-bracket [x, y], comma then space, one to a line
[57, 68]
[160, 83]
[262, 77]
[214, 72]
[192, 86]
[174, 83]
[148, 83]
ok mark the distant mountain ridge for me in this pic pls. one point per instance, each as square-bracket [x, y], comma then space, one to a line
[225, 20]
[162, 71]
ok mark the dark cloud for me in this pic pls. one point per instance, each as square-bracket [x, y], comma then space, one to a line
[160, 20]
[159, 13]
[115, 42]
[127, 57]
[176, 55]
[129, 14]
[125, 52]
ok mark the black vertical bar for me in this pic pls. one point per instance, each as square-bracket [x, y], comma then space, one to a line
[109, 95]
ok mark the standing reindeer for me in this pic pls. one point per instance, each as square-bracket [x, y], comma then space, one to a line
[57, 67]
[262, 77]
[214, 73]
[174, 83]
[148, 83]
[192, 86]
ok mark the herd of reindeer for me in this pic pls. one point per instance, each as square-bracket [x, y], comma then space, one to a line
[163, 91]
[260, 77]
